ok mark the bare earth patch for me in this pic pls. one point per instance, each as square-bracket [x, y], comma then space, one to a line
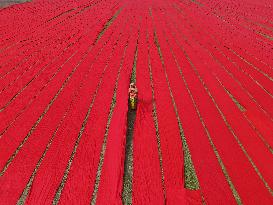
[5, 3]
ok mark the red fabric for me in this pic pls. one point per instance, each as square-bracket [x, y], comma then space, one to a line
[33, 92]
[111, 183]
[170, 139]
[199, 65]
[42, 54]
[86, 161]
[147, 184]
[46, 131]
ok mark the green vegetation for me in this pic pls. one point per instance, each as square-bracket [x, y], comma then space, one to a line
[128, 164]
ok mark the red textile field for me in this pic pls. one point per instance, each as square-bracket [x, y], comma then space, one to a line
[203, 129]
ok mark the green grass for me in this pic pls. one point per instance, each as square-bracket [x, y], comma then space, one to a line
[240, 107]
[128, 164]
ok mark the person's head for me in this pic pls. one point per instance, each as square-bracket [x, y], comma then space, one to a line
[132, 85]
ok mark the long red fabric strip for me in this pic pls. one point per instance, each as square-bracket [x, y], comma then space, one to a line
[110, 187]
[204, 73]
[71, 95]
[147, 176]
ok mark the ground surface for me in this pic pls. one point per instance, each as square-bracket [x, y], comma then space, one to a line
[203, 130]
[5, 3]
